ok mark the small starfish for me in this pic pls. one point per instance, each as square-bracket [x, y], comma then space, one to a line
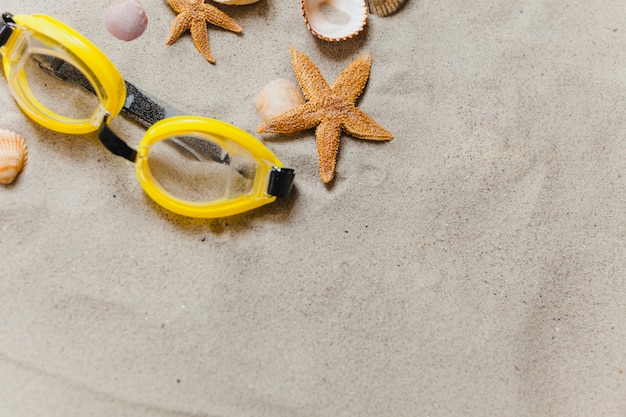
[330, 108]
[193, 15]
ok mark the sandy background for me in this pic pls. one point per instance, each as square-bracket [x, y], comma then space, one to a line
[472, 266]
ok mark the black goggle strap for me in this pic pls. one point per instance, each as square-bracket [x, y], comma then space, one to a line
[114, 143]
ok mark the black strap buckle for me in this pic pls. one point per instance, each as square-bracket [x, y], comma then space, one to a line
[6, 30]
[281, 181]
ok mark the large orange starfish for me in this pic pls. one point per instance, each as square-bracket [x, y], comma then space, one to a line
[330, 108]
[193, 15]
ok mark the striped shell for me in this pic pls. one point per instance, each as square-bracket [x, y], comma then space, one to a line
[13, 155]
[334, 20]
[384, 7]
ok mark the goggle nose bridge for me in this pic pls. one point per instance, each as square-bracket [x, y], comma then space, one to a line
[114, 143]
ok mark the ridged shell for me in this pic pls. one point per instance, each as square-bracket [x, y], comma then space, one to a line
[277, 97]
[236, 2]
[13, 155]
[384, 7]
[334, 20]
[126, 19]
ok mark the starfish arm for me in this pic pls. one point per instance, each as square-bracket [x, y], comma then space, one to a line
[181, 23]
[308, 75]
[328, 136]
[359, 124]
[217, 17]
[303, 117]
[200, 37]
[351, 82]
[178, 5]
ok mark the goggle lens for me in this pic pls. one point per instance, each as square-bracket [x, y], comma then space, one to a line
[196, 169]
[64, 100]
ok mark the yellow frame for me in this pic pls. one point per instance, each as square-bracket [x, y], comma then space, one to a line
[65, 43]
[221, 133]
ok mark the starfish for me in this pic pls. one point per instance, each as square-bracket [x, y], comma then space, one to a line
[331, 108]
[193, 15]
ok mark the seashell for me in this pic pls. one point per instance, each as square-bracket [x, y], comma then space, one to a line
[384, 7]
[277, 97]
[126, 19]
[236, 2]
[334, 20]
[13, 155]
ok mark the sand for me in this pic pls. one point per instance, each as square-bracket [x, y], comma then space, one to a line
[474, 265]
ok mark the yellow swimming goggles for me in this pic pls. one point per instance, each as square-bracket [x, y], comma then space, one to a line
[193, 166]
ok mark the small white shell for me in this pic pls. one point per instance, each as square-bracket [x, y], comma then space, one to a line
[277, 97]
[334, 20]
[236, 2]
[13, 155]
[126, 19]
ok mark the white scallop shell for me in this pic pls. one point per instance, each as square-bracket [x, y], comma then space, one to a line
[13, 155]
[126, 19]
[277, 97]
[334, 20]
[236, 2]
